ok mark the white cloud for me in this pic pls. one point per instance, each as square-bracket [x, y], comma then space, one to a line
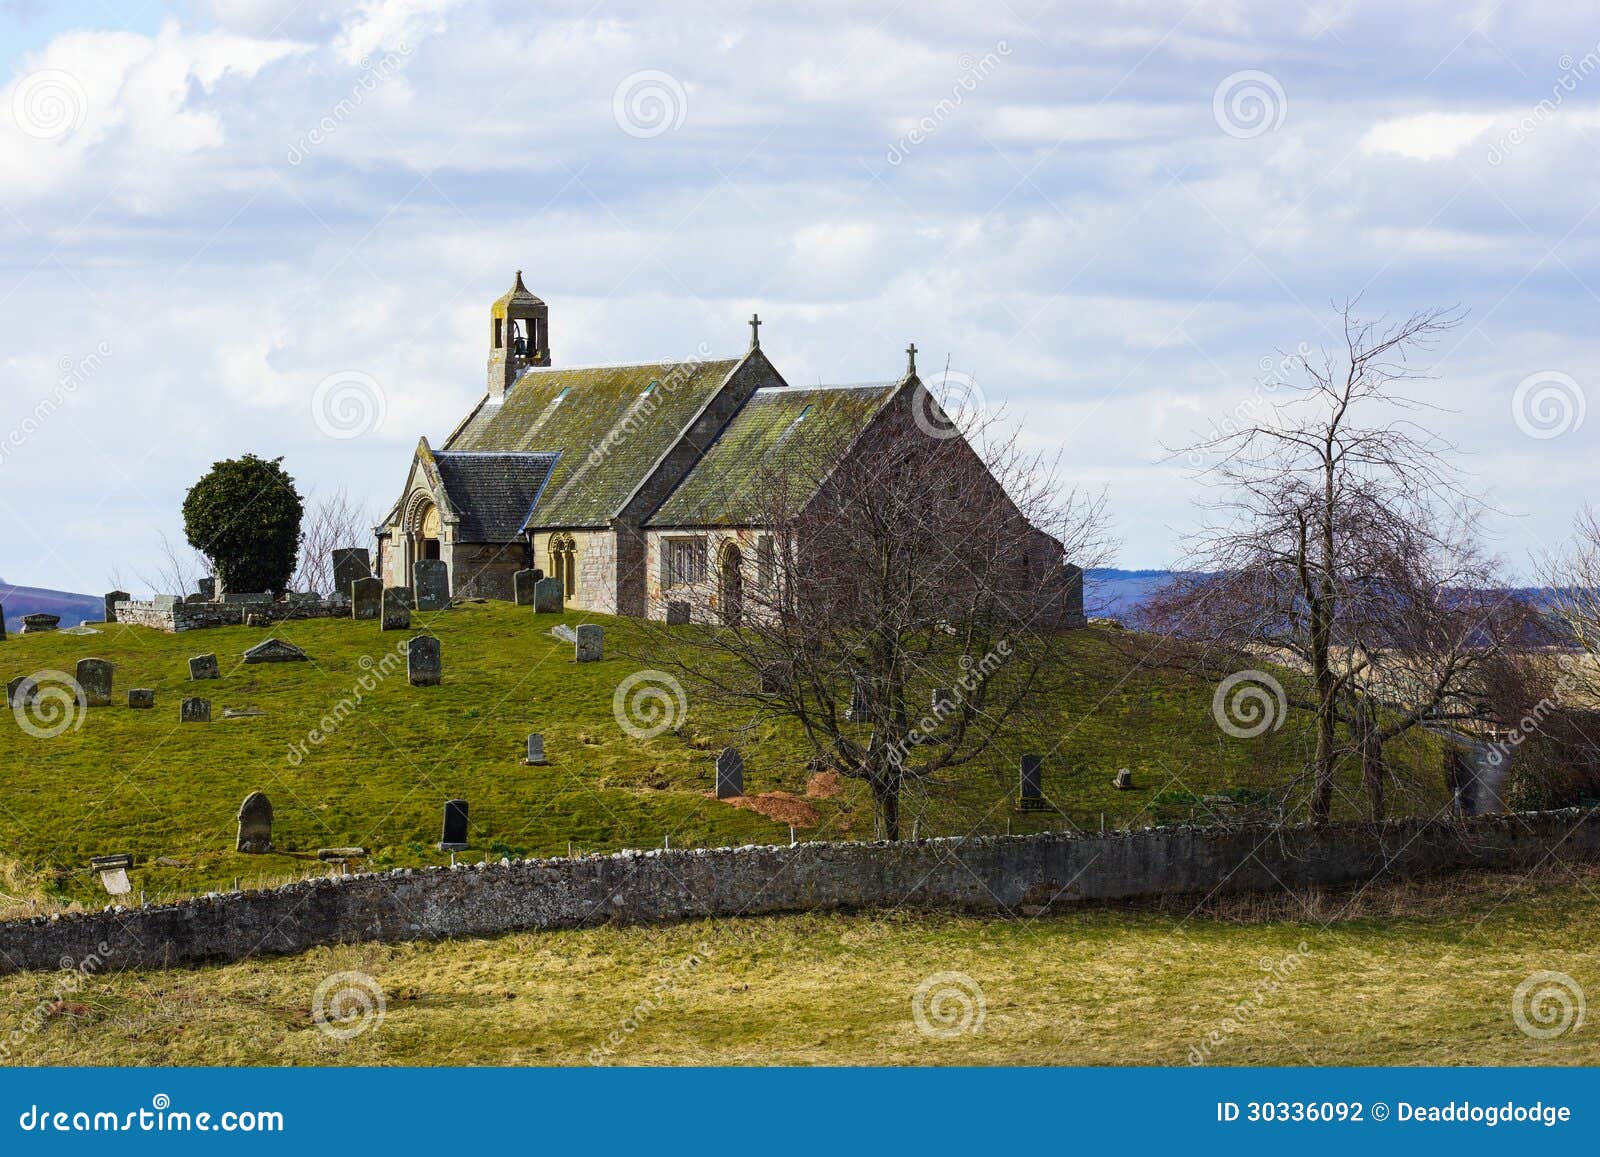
[1429, 136]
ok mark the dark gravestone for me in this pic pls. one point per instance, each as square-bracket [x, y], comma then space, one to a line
[275, 651]
[730, 773]
[141, 697]
[454, 837]
[430, 579]
[207, 589]
[522, 584]
[204, 667]
[21, 691]
[94, 676]
[349, 564]
[366, 598]
[590, 642]
[39, 623]
[677, 614]
[535, 751]
[422, 661]
[548, 597]
[1032, 786]
[194, 710]
[396, 614]
[112, 599]
[255, 825]
[1124, 780]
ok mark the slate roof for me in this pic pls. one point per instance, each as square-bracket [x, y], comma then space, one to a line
[494, 493]
[609, 424]
[783, 435]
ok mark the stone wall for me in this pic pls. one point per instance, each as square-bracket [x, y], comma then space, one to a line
[171, 617]
[484, 570]
[1009, 875]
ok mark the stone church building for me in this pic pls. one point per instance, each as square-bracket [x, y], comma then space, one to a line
[624, 481]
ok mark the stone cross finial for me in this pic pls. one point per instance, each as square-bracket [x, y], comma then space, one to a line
[911, 359]
[755, 331]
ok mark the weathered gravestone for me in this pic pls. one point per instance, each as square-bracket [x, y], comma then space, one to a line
[207, 589]
[1032, 785]
[677, 613]
[350, 564]
[366, 598]
[522, 584]
[195, 598]
[21, 691]
[275, 651]
[39, 623]
[1123, 780]
[396, 614]
[204, 667]
[94, 676]
[548, 597]
[430, 579]
[255, 825]
[194, 710]
[730, 773]
[422, 661]
[590, 642]
[454, 836]
[535, 751]
[141, 697]
[112, 599]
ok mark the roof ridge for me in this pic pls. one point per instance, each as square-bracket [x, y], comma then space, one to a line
[531, 370]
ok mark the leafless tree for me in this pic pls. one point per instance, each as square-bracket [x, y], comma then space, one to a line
[331, 521]
[903, 601]
[176, 570]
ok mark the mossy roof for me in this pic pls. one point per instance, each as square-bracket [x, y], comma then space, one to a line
[494, 493]
[610, 424]
[784, 439]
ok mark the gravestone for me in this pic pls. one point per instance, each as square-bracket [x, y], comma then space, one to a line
[535, 751]
[141, 697]
[195, 598]
[677, 614]
[21, 691]
[113, 872]
[94, 676]
[522, 584]
[39, 623]
[422, 661]
[548, 597]
[204, 667]
[730, 773]
[275, 651]
[430, 579]
[454, 836]
[396, 615]
[112, 599]
[350, 564]
[590, 642]
[206, 588]
[255, 825]
[194, 710]
[1032, 785]
[1124, 780]
[366, 598]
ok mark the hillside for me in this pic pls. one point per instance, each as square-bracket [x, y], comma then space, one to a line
[73, 609]
[350, 757]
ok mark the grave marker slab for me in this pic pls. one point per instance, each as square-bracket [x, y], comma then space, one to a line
[430, 579]
[350, 564]
[396, 615]
[548, 597]
[275, 651]
[207, 589]
[112, 599]
[94, 676]
[15, 691]
[366, 598]
[1032, 783]
[535, 756]
[423, 666]
[255, 825]
[194, 710]
[522, 584]
[204, 667]
[37, 624]
[454, 836]
[590, 642]
[730, 773]
[677, 613]
[140, 698]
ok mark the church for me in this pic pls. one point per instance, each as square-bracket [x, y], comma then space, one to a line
[624, 481]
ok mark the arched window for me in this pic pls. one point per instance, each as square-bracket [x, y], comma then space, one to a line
[564, 561]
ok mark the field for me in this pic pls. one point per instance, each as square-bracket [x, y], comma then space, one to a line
[1391, 974]
[350, 755]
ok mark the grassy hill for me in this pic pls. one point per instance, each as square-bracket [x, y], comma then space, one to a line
[350, 757]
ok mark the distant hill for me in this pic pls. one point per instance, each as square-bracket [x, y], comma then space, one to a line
[73, 609]
[1112, 593]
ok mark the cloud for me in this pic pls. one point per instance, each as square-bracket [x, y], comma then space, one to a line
[1430, 136]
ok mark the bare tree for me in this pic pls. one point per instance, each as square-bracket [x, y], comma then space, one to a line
[176, 571]
[331, 521]
[902, 598]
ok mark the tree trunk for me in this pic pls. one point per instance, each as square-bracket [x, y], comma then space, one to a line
[886, 797]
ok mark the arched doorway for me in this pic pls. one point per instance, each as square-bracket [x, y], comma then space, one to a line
[731, 585]
[422, 534]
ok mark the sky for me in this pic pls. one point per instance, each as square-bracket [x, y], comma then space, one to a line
[277, 227]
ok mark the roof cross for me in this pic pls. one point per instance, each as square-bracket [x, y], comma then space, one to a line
[755, 331]
[911, 359]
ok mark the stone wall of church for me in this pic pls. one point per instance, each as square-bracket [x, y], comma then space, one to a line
[597, 568]
[483, 570]
[705, 598]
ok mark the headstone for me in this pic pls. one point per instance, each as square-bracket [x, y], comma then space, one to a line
[141, 697]
[21, 691]
[590, 642]
[195, 598]
[275, 651]
[522, 584]
[430, 579]
[350, 563]
[677, 614]
[422, 661]
[1032, 786]
[454, 836]
[396, 614]
[194, 710]
[207, 588]
[112, 599]
[1124, 780]
[535, 751]
[255, 825]
[94, 676]
[366, 598]
[548, 598]
[730, 773]
[113, 872]
[204, 667]
[38, 623]
[565, 633]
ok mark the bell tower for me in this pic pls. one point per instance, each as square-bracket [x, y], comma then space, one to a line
[519, 337]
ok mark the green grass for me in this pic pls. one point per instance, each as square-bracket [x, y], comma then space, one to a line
[1420, 973]
[137, 781]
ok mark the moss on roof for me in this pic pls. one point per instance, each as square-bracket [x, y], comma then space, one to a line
[783, 438]
[492, 492]
[518, 294]
[609, 423]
